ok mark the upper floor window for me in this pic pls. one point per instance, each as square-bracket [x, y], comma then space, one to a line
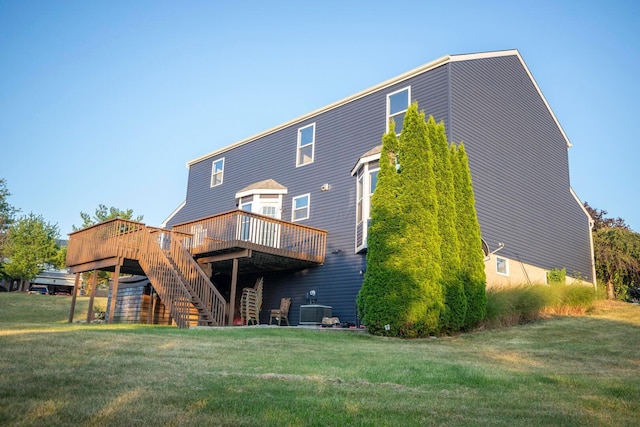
[397, 105]
[306, 142]
[300, 209]
[217, 171]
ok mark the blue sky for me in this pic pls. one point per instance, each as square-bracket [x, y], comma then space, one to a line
[105, 101]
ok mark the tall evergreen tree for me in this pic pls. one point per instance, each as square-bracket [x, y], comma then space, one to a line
[380, 300]
[454, 311]
[402, 286]
[471, 256]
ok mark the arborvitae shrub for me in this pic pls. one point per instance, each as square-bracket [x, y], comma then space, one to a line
[471, 256]
[402, 287]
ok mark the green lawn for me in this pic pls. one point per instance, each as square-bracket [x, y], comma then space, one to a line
[581, 371]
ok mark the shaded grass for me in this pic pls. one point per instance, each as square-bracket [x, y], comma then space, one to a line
[565, 371]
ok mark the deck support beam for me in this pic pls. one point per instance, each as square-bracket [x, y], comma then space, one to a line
[232, 297]
[74, 296]
[94, 285]
[114, 291]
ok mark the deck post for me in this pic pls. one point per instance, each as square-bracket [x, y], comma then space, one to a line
[232, 297]
[73, 297]
[114, 291]
[94, 285]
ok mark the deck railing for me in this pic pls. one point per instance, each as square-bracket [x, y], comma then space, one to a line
[258, 231]
[114, 238]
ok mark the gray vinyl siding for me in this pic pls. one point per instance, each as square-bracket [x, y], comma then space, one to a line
[342, 136]
[518, 160]
[519, 164]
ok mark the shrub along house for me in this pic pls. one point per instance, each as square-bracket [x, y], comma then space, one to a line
[291, 204]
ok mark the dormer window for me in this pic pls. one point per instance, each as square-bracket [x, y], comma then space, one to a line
[264, 198]
[366, 173]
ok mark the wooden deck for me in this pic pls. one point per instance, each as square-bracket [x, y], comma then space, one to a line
[235, 241]
[271, 244]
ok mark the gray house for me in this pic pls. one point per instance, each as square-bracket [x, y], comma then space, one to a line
[320, 170]
[291, 204]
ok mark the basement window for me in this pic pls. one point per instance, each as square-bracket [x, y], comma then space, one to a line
[502, 266]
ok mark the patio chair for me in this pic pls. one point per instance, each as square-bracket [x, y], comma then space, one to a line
[251, 303]
[282, 312]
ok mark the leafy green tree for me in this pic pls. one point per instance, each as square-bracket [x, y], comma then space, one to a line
[455, 309]
[617, 254]
[30, 247]
[7, 213]
[401, 294]
[468, 227]
[103, 213]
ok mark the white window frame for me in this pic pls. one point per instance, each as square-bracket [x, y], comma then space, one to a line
[294, 209]
[214, 173]
[363, 172]
[312, 144]
[389, 115]
[506, 266]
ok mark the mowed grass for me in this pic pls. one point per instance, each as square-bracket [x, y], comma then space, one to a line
[563, 371]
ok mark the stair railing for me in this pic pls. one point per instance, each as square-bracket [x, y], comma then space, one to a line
[209, 298]
[166, 280]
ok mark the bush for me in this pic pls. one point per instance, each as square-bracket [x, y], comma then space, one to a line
[556, 275]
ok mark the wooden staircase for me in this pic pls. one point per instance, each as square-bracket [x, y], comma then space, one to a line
[177, 278]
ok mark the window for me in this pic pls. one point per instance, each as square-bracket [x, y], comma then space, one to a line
[502, 266]
[217, 170]
[397, 105]
[306, 142]
[366, 171]
[300, 209]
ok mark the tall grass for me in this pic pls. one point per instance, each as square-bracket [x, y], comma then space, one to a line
[514, 305]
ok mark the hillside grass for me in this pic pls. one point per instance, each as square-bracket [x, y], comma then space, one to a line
[565, 370]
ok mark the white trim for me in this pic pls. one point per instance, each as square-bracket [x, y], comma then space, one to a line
[293, 207]
[364, 160]
[389, 95]
[213, 173]
[591, 224]
[172, 214]
[483, 55]
[255, 191]
[313, 144]
[506, 264]
[381, 86]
